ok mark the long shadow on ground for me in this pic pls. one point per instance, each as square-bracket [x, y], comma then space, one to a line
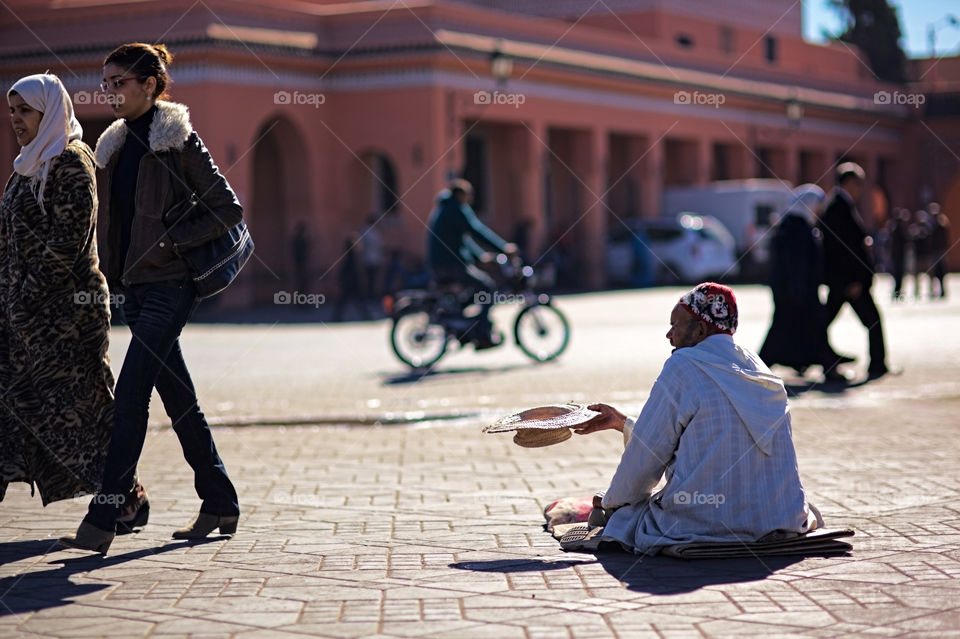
[654, 575]
[796, 387]
[415, 376]
[33, 591]
[666, 575]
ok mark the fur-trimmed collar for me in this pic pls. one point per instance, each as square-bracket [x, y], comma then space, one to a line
[169, 131]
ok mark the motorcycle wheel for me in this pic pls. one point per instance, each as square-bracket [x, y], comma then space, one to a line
[415, 341]
[542, 332]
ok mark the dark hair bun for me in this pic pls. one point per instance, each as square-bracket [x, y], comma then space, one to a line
[163, 54]
[145, 61]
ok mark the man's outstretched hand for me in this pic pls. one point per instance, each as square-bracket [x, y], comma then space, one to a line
[609, 418]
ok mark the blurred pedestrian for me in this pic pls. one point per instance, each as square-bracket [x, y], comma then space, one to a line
[898, 232]
[521, 237]
[300, 251]
[414, 273]
[394, 249]
[848, 263]
[559, 260]
[140, 258]
[351, 278]
[644, 268]
[371, 250]
[939, 247]
[921, 230]
[798, 334]
[56, 413]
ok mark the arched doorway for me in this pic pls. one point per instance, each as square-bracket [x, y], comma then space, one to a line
[281, 198]
[373, 182]
[374, 220]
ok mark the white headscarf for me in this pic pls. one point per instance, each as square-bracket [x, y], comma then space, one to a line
[807, 199]
[58, 127]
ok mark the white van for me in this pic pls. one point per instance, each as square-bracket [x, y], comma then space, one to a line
[748, 208]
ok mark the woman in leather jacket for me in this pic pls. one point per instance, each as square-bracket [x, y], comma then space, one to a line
[140, 258]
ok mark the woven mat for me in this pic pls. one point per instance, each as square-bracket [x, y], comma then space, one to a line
[818, 542]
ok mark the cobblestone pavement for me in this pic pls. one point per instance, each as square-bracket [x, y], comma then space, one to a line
[434, 529]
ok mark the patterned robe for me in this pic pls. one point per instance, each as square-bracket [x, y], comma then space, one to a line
[56, 387]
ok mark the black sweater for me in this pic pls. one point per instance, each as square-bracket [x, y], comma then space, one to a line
[124, 182]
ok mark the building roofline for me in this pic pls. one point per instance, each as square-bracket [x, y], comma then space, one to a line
[452, 41]
[665, 74]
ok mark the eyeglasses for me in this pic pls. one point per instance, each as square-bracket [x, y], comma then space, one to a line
[118, 83]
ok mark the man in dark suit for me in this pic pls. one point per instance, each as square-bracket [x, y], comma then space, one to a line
[848, 263]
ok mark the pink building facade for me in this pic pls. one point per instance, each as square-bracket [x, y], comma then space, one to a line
[330, 114]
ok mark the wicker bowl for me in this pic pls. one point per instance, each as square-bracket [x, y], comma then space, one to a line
[536, 437]
[543, 425]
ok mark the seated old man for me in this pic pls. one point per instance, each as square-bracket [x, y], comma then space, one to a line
[717, 427]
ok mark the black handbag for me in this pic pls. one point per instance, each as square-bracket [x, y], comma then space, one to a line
[214, 264]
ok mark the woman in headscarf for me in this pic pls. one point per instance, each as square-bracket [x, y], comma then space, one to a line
[56, 387]
[798, 336]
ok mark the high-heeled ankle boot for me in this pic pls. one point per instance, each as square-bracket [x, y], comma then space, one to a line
[135, 512]
[89, 537]
[204, 524]
[138, 519]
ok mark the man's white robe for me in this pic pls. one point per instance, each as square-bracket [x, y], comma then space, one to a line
[717, 427]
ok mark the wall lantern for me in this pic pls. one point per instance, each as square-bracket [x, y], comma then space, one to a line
[500, 66]
[794, 112]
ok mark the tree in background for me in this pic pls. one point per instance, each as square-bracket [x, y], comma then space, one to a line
[873, 26]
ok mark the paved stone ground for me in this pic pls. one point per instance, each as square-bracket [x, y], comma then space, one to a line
[434, 529]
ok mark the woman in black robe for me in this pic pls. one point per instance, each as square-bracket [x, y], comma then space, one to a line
[798, 337]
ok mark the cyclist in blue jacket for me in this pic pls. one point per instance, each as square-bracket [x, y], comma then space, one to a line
[456, 244]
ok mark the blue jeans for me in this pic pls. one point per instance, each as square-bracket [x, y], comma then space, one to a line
[156, 314]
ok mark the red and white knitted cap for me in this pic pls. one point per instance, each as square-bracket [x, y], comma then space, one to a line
[713, 303]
